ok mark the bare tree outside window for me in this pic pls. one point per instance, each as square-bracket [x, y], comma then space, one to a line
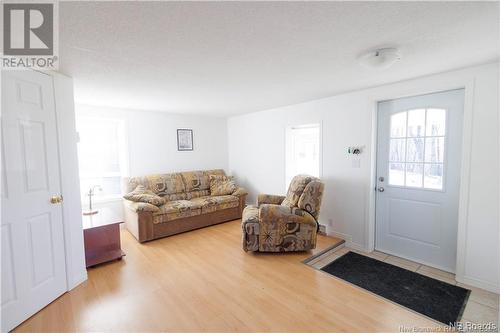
[417, 147]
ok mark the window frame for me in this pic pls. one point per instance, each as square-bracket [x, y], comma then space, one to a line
[423, 163]
[289, 146]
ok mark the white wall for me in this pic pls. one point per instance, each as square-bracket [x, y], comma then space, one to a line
[257, 157]
[152, 142]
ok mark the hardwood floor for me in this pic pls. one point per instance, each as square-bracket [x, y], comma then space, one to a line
[203, 281]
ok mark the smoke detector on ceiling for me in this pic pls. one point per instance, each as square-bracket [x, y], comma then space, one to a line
[380, 58]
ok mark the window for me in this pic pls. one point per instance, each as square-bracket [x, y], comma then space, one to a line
[303, 151]
[101, 156]
[416, 148]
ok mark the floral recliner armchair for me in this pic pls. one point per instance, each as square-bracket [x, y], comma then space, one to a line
[284, 223]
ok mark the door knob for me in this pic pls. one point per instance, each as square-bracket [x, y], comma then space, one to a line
[55, 199]
[381, 189]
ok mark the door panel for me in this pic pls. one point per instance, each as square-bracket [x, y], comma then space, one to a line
[415, 220]
[41, 249]
[34, 155]
[8, 278]
[418, 177]
[29, 93]
[33, 263]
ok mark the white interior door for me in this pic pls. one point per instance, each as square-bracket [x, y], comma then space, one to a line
[418, 177]
[33, 261]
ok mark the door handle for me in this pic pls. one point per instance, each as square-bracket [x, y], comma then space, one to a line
[55, 199]
[381, 189]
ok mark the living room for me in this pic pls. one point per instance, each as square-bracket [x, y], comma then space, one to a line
[252, 166]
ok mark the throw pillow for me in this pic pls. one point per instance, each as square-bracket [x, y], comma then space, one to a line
[221, 185]
[141, 194]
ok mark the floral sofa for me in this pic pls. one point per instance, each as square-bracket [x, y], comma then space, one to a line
[167, 204]
[284, 223]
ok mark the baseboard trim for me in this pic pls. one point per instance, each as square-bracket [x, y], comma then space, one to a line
[357, 247]
[348, 240]
[478, 283]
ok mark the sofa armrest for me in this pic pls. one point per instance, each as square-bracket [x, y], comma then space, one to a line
[140, 206]
[269, 214]
[240, 191]
[270, 199]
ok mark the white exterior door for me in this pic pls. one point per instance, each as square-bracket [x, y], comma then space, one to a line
[33, 260]
[418, 177]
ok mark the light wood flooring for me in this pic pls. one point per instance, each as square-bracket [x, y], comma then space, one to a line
[203, 281]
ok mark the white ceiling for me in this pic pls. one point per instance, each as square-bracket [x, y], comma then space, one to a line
[226, 58]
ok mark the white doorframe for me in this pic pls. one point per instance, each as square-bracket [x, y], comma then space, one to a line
[298, 124]
[463, 204]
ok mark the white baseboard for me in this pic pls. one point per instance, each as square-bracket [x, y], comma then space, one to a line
[348, 240]
[478, 283]
[357, 247]
[340, 235]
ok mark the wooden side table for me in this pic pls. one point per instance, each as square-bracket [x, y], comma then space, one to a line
[101, 234]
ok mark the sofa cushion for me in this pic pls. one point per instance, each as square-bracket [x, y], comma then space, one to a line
[178, 206]
[176, 196]
[162, 185]
[141, 194]
[215, 172]
[197, 194]
[177, 209]
[165, 184]
[297, 186]
[195, 181]
[211, 204]
[222, 185]
[199, 180]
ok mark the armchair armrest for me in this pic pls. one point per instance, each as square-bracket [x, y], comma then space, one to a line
[140, 206]
[271, 214]
[270, 199]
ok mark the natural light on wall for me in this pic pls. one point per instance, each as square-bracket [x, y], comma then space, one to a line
[101, 156]
[303, 151]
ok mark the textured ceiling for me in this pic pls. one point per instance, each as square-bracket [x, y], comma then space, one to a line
[226, 58]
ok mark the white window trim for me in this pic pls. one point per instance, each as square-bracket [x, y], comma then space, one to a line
[288, 147]
[406, 138]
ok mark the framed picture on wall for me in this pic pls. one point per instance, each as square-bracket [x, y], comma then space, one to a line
[184, 139]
